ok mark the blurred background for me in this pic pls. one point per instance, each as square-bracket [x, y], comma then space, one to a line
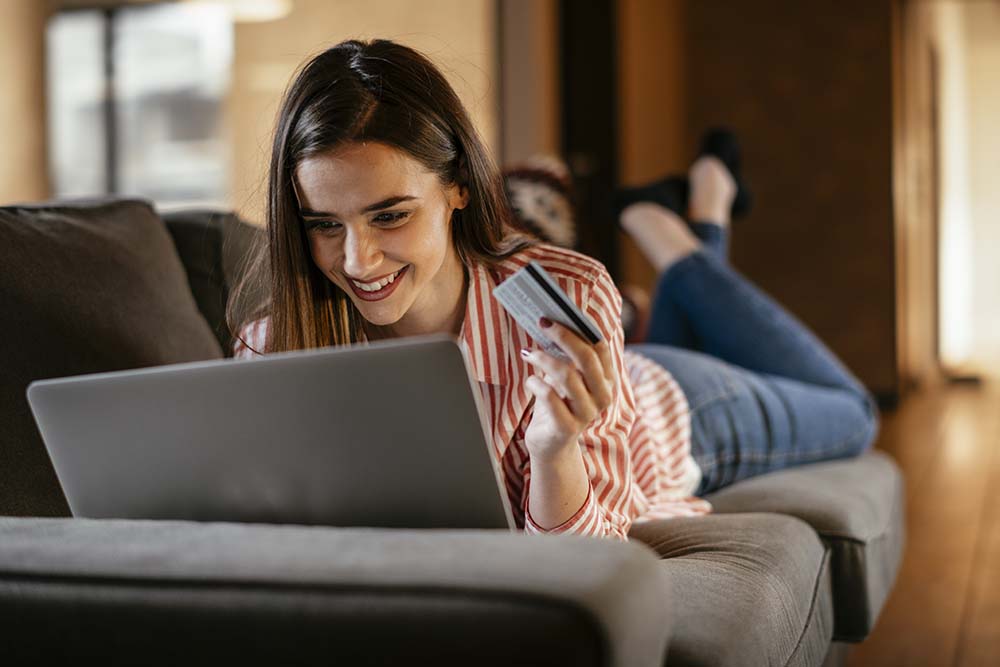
[870, 142]
[866, 128]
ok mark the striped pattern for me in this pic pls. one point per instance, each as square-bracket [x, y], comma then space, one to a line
[637, 452]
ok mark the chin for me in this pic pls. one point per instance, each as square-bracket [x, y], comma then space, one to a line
[382, 322]
[378, 316]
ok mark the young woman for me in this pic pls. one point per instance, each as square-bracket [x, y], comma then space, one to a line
[386, 217]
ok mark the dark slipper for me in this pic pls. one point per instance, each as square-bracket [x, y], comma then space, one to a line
[721, 142]
[670, 192]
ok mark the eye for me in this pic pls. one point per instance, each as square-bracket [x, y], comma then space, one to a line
[323, 225]
[391, 216]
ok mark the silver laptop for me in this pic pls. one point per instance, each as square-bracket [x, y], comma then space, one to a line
[390, 434]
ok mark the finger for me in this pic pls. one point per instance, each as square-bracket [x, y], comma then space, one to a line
[583, 354]
[605, 396]
[566, 379]
[603, 350]
[545, 394]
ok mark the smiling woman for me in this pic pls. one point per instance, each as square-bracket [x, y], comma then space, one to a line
[387, 217]
[371, 212]
[375, 167]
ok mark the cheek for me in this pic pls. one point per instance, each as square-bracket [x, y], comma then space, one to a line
[431, 253]
[425, 242]
[322, 251]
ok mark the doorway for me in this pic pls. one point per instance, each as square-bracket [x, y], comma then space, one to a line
[948, 201]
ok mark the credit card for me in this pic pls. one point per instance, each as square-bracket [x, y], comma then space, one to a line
[531, 294]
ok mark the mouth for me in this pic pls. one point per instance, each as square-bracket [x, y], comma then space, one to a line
[385, 289]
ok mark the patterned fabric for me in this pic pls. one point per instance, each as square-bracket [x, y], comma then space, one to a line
[637, 452]
[540, 191]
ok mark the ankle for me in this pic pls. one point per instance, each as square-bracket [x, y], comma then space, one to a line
[709, 215]
[678, 255]
[661, 235]
[713, 190]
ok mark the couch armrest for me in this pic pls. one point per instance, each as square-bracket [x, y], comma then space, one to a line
[857, 506]
[164, 591]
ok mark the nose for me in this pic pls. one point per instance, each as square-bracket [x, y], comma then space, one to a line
[362, 254]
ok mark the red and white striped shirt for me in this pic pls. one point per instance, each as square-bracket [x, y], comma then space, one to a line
[637, 452]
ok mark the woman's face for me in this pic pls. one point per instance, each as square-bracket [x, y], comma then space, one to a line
[372, 212]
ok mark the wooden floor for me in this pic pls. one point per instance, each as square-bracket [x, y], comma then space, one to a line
[945, 608]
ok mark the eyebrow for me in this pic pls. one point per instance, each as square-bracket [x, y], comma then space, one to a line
[377, 206]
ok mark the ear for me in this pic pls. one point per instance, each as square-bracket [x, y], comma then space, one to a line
[458, 196]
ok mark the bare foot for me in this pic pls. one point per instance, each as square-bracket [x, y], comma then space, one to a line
[713, 190]
[662, 236]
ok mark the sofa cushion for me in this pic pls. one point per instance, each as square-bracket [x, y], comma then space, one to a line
[88, 287]
[169, 592]
[857, 507]
[213, 246]
[748, 589]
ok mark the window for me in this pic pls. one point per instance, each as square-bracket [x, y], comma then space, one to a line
[136, 101]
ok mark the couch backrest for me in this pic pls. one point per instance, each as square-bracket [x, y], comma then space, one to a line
[84, 288]
[213, 246]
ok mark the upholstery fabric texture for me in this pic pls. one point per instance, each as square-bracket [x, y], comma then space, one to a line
[214, 247]
[95, 287]
[346, 595]
[857, 508]
[749, 589]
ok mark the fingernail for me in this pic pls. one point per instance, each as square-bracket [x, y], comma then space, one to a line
[545, 322]
[525, 353]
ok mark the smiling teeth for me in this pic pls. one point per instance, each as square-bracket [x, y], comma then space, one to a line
[374, 287]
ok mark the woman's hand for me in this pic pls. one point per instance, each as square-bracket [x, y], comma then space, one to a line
[569, 395]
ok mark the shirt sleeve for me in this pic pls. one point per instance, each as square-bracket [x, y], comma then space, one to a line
[605, 443]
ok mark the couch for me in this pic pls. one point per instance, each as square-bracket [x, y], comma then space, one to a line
[791, 568]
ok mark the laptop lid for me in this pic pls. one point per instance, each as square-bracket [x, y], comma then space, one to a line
[389, 434]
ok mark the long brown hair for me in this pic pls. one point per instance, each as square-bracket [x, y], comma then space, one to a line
[363, 91]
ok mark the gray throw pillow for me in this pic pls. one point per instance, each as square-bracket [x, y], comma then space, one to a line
[84, 288]
[214, 247]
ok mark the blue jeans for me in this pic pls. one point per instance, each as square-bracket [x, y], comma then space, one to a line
[764, 392]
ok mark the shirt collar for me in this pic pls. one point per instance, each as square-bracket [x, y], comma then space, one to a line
[486, 329]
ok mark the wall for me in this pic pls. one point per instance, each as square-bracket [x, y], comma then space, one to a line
[652, 114]
[809, 89]
[947, 202]
[23, 170]
[916, 193]
[982, 24]
[956, 258]
[459, 35]
[947, 197]
[529, 73]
